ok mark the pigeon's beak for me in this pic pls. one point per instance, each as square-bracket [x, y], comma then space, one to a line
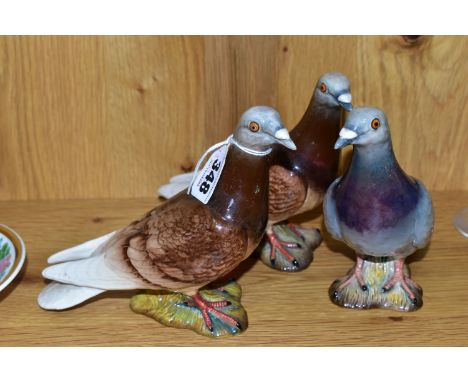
[283, 138]
[346, 138]
[345, 100]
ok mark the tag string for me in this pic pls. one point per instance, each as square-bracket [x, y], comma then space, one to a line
[250, 151]
[226, 142]
[202, 158]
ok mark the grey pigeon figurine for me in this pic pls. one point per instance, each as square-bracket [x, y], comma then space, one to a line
[381, 213]
[186, 243]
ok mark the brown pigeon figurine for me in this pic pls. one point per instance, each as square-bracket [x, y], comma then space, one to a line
[298, 180]
[189, 241]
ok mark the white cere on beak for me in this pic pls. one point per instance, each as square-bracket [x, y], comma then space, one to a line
[282, 134]
[347, 134]
[345, 98]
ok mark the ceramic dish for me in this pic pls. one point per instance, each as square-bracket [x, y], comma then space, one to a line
[12, 255]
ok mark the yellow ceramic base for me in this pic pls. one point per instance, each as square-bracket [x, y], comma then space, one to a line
[376, 274]
[176, 310]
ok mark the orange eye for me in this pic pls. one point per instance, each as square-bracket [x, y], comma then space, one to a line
[323, 87]
[254, 126]
[375, 123]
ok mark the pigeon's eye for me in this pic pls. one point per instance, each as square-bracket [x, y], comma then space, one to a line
[254, 126]
[375, 124]
[323, 87]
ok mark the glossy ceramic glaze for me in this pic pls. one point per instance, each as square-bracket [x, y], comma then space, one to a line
[376, 274]
[177, 310]
[181, 246]
[315, 160]
[299, 179]
[381, 213]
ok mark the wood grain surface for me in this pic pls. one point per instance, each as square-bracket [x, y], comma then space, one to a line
[283, 309]
[114, 117]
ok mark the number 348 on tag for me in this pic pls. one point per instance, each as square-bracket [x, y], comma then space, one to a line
[207, 179]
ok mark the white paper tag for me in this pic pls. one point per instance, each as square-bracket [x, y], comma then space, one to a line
[207, 179]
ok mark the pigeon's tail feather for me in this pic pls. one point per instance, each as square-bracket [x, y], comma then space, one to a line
[79, 252]
[57, 296]
[96, 272]
[182, 178]
[176, 184]
[167, 191]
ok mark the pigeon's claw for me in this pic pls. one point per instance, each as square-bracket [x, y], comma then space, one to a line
[399, 277]
[282, 247]
[295, 228]
[208, 308]
[355, 274]
[289, 247]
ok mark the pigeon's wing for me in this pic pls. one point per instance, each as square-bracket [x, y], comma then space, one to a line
[330, 213]
[176, 184]
[176, 246]
[287, 193]
[424, 222]
[184, 245]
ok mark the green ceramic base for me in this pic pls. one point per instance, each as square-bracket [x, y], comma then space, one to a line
[376, 274]
[174, 309]
[307, 240]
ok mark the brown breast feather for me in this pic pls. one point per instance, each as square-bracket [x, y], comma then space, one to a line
[180, 246]
[286, 194]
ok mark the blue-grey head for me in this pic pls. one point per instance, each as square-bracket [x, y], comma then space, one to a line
[261, 127]
[364, 126]
[333, 90]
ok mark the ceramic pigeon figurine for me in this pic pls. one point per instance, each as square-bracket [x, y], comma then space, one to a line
[298, 180]
[380, 212]
[186, 243]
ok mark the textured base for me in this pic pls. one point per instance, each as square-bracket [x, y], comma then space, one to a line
[170, 309]
[304, 254]
[376, 274]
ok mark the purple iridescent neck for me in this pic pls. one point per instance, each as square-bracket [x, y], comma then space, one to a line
[375, 192]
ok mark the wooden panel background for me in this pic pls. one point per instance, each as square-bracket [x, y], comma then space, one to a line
[113, 117]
